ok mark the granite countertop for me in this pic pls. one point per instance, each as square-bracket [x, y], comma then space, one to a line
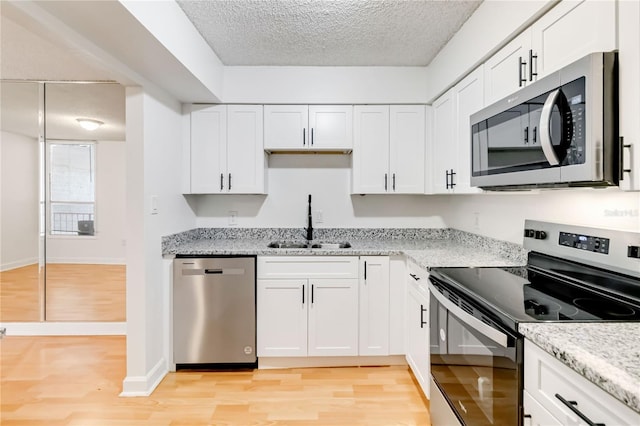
[445, 248]
[607, 354]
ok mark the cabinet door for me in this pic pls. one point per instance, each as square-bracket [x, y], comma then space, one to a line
[536, 414]
[469, 99]
[418, 335]
[245, 151]
[407, 148]
[285, 127]
[282, 317]
[374, 305]
[571, 30]
[331, 127]
[444, 141]
[208, 148]
[503, 72]
[333, 317]
[371, 149]
[629, 70]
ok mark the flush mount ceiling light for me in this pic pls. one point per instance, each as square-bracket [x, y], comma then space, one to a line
[89, 124]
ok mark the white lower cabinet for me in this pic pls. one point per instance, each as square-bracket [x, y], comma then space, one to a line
[374, 305]
[307, 306]
[417, 326]
[554, 394]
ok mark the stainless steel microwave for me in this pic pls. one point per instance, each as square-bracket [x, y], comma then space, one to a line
[562, 130]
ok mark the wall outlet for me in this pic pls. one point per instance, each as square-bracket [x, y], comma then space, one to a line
[476, 221]
[153, 204]
[318, 216]
[233, 218]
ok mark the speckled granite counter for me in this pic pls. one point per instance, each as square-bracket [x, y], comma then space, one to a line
[608, 354]
[427, 248]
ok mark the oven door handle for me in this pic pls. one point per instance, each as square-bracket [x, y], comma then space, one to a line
[488, 331]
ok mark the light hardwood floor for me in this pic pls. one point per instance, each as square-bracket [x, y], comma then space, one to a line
[75, 381]
[74, 292]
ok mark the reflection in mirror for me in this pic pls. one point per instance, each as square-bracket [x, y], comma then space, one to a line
[85, 199]
[21, 202]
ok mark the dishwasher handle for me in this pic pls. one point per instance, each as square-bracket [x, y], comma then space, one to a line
[213, 271]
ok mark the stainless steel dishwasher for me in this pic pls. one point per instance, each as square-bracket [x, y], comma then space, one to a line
[214, 310]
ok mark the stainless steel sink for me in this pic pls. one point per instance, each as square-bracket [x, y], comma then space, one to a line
[288, 245]
[301, 245]
[332, 245]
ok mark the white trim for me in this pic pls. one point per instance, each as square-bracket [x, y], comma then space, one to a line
[18, 264]
[265, 363]
[88, 260]
[144, 385]
[65, 328]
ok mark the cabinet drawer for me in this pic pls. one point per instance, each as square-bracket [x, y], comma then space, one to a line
[545, 377]
[307, 267]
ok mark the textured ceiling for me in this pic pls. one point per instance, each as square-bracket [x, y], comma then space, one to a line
[327, 32]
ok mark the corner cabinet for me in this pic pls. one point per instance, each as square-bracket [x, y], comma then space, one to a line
[308, 127]
[307, 306]
[389, 149]
[554, 394]
[417, 316]
[451, 137]
[225, 150]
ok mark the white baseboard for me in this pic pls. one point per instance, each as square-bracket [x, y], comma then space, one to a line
[65, 328]
[18, 264]
[144, 385]
[88, 260]
[265, 363]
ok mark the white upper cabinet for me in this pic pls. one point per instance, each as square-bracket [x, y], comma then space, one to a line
[508, 69]
[570, 30]
[389, 149]
[331, 127]
[245, 155]
[407, 148]
[629, 70]
[451, 157]
[207, 148]
[302, 127]
[443, 141]
[371, 149]
[225, 150]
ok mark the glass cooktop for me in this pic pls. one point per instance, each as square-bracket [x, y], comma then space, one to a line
[563, 293]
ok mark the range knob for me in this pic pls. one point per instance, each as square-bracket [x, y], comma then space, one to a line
[540, 235]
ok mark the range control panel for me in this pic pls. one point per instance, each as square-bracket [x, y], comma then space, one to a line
[584, 242]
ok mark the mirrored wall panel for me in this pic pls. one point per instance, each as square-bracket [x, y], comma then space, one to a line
[63, 202]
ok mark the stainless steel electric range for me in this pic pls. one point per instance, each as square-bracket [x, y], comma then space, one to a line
[573, 273]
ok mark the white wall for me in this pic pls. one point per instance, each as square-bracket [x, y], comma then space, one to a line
[108, 245]
[19, 207]
[154, 129]
[502, 215]
[328, 179]
[308, 85]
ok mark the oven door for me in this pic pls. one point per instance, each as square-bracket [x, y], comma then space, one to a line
[477, 367]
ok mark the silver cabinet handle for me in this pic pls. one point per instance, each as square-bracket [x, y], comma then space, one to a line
[221, 182]
[492, 333]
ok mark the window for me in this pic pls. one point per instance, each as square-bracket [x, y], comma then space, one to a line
[72, 200]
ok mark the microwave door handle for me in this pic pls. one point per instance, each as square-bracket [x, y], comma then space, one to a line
[488, 331]
[545, 121]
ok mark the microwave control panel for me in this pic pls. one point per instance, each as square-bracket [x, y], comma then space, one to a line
[584, 242]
